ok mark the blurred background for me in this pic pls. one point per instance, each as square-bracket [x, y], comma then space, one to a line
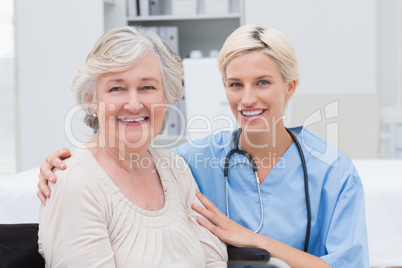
[350, 92]
[349, 53]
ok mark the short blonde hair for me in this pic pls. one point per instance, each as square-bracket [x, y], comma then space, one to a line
[119, 50]
[273, 43]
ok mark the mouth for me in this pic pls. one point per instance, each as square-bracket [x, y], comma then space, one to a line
[252, 114]
[133, 121]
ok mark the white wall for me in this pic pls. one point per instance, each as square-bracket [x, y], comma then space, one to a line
[335, 41]
[115, 14]
[335, 44]
[52, 40]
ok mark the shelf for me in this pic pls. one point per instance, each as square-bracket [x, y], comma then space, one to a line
[181, 17]
[109, 2]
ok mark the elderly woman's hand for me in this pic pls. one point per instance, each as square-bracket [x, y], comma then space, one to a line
[222, 226]
[52, 161]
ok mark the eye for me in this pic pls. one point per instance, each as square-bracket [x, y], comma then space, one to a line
[235, 85]
[263, 83]
[115, 89]
[148, 88]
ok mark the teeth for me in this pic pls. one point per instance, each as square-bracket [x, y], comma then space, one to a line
[132, 120]
[252, 113]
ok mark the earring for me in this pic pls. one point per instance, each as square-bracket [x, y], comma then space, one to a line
[94, 114]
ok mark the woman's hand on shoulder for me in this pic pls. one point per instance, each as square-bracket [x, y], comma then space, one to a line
[55, 160]
[236, 235]
[222, 226]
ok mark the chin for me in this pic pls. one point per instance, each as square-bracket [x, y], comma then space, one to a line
[256, 128]
[136, 140]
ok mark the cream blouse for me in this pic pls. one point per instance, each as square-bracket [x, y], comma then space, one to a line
[88, 222]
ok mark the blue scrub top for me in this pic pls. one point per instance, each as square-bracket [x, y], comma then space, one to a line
[338, 225]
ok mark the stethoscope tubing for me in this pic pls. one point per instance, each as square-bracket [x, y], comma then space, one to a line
[254, 168]
[257, 180]
[306, 191]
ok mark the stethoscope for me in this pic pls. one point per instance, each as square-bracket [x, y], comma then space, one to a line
[257, 181]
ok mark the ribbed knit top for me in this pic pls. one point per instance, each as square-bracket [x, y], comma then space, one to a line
[88, 222]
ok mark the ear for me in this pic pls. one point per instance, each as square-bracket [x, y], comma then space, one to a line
[290, 88]
[89, 99]
[224, 83]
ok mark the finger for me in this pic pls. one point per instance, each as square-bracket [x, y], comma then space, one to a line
[214, 217]
[205, 201]
[55, 160]
[43, 187]
[210, 226]
[46, 173]
[41, 196]
[203, 211]
[63, 153]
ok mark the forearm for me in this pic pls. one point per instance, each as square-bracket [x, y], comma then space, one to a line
[295, 258]
[236, 235]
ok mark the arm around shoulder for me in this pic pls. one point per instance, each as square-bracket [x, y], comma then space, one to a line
[72, 226]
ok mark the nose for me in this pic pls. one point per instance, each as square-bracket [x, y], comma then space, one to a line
[134, 103]
[249, 97]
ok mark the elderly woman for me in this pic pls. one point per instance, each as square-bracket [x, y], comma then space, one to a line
[120, 202]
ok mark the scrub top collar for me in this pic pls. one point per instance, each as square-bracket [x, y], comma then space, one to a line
[291, 154]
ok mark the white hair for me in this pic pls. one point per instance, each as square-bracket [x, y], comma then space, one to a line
[119, 50]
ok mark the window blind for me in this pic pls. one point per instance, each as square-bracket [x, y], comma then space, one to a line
[389, 41]
[7, 91]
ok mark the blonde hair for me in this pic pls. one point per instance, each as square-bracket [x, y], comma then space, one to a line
[119, 50]
[273, 43]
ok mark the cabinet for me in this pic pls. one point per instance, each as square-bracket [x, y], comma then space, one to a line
[201, 31]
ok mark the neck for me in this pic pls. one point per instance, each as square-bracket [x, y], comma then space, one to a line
[129, 158]
[270, 143]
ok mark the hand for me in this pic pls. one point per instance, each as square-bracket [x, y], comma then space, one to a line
[46, 174]
[236, 235]
[223, 227]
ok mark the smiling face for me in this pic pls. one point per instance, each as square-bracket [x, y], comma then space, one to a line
[256, 91]
[130, 104]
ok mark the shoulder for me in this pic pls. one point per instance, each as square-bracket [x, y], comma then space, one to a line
[173, 168]
[161, 152]
[320, 150]
[80, 171]
[79, 183]
[168, 159]
[333, 165]
[163, 155]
